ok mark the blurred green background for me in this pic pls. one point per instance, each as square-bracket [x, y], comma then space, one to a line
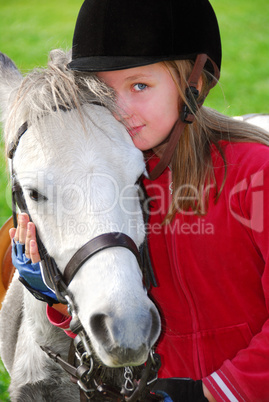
[29, 29]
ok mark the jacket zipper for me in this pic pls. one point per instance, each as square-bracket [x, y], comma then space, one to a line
[192, 308]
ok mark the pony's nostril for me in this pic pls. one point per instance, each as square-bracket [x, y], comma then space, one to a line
[123, 340]
[99, 327]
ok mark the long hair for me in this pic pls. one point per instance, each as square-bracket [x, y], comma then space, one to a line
[191, 164]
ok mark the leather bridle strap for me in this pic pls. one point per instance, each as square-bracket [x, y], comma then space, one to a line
[99, 243]
[50, 272]
[187, 117]
[14, 144]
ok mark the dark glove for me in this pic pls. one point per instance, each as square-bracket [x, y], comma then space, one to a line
[181, 390]
[30, 275]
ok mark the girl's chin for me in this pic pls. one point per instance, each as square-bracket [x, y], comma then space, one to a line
[142, 146]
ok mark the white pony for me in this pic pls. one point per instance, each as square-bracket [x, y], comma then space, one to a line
[77, 167]
[257, 119]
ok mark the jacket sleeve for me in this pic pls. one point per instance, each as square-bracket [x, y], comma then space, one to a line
[246, 376]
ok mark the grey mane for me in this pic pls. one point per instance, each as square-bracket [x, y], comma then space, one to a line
[44, 91]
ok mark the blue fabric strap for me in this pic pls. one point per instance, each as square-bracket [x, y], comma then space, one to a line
[30, 273]
[164, 394]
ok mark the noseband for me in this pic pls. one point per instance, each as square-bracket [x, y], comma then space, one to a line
[59, 283]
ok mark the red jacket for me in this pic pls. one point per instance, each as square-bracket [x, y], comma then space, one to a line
[213, 276]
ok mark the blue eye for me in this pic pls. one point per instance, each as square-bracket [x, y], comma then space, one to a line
[140, 87]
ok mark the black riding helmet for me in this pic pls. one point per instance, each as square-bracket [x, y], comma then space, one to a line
[120, 34]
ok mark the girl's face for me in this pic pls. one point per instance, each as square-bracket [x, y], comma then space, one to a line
[148, 100]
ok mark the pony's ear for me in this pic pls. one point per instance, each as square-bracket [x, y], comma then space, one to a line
[10, 80]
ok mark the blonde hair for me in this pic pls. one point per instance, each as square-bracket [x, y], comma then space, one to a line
[191, 163]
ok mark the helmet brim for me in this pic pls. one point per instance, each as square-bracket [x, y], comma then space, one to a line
[112, 63]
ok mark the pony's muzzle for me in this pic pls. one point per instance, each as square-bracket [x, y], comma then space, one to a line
[122, 341]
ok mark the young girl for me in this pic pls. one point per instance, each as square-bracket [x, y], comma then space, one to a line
[209, 188]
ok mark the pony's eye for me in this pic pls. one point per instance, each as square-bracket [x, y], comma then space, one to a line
[36, 196]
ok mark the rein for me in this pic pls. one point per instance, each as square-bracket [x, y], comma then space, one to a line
[85, 369]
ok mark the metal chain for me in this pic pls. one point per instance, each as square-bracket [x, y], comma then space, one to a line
[128, 375]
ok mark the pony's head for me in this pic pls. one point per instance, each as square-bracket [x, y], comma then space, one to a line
[78, 168]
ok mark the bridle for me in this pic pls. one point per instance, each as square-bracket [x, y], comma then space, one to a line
[84, 369]
[188, 112]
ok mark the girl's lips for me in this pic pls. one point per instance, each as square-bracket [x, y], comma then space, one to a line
[134, 130]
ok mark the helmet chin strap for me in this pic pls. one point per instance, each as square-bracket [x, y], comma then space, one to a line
[187, 116]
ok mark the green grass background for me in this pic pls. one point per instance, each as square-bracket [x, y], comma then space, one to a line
[29, 29]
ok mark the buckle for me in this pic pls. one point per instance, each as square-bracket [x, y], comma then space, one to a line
[188, 112]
